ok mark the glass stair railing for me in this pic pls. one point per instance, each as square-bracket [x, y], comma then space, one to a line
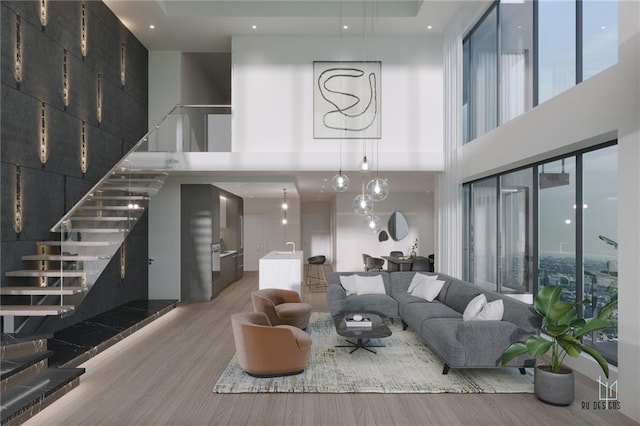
[88, 237]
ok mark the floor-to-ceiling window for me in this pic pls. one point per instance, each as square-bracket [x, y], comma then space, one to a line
[557, 225]
[600, 253]
[516, 58]
[553, 223]
[599, 36]
[515, 232]
[556, 47]
[483, 76]
[522, 53]
[483, 233]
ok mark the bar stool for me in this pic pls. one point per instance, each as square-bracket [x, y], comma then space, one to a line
[316, 275]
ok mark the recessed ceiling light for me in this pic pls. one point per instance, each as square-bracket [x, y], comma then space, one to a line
[345, 27]
[152, 26]
[604, 27]
[254, 27]
[429, 27]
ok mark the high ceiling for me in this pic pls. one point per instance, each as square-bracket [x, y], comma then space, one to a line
[208, 26]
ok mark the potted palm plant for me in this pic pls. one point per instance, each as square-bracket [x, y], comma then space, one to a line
[554, 382]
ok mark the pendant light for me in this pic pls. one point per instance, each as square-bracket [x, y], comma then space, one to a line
[378, 188]
[364, 163]
[340, 181]
[285, 207]
[372, 223]
[363, 203]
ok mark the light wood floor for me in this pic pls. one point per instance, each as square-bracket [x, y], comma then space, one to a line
[164, 374]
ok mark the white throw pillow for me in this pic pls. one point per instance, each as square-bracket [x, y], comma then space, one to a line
[428, 289]
[474, 307]
[417, 279]
[491, 311]
[348, 282]
[370, 285]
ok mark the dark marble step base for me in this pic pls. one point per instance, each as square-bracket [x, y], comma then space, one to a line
[16, 345]
[81, 342]
[28, 398]
[12, 366]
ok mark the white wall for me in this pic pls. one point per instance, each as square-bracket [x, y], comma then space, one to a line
[263, 230]
[272, 97]
[316, 229]
[353, 239]
[599, 109]
[165, 75]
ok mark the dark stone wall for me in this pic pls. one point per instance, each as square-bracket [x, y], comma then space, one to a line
[50, 189]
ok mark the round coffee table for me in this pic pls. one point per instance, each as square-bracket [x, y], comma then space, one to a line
[362, 335]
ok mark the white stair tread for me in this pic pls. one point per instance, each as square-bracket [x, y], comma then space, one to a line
[120, 179]
[99, 230]
[108, 208]
[40, 291]
[77, 243]
[102, 218]
[45, 273]
[118, 197]
[64, 258]
[35, 311]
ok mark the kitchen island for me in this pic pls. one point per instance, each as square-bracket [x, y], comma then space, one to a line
[281, 269]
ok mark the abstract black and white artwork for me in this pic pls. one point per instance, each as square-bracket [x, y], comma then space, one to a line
[346, 100]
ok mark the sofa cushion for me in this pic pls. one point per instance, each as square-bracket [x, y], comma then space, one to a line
[348, 282]
[458, 294]
[369, 285]
[380, 304]
[474, 307]
[428, 288]
[415, 313]
[491, 311]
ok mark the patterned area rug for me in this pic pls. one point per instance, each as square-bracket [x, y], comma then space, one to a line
[404, 365]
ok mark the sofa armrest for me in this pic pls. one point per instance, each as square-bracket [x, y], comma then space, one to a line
[485, 341]
[335, 297]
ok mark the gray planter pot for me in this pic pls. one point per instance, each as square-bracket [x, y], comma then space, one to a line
[554, 388]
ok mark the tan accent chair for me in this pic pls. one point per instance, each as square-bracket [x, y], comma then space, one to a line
[283, 307]
[264, 350]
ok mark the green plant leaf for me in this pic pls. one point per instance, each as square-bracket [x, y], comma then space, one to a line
[593, 324]
[561, 312]
[537, 346]
[557, 330]
[606, 310]
[514, 350]
[570, 344]
[599, 358]
[546, 298]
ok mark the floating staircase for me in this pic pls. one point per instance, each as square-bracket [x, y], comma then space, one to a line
[57, 277]
[27, 383]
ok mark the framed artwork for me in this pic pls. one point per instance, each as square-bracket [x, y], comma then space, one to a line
[346, 100]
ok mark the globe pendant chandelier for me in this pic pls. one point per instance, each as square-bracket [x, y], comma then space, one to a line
[363, 203]
[340, 181]
[378, 188]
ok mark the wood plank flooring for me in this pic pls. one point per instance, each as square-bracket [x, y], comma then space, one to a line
[164, 374]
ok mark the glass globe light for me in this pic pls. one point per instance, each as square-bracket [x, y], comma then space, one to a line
[372, 223]
[362, 204]
[378, 189]
[284, 220]
[340, 182]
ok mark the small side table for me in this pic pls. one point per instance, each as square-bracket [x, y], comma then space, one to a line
[362, 335]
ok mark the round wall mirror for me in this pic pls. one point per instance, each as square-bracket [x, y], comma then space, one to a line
[398, 226]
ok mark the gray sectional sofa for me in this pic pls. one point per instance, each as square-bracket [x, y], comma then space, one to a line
[461, 344]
